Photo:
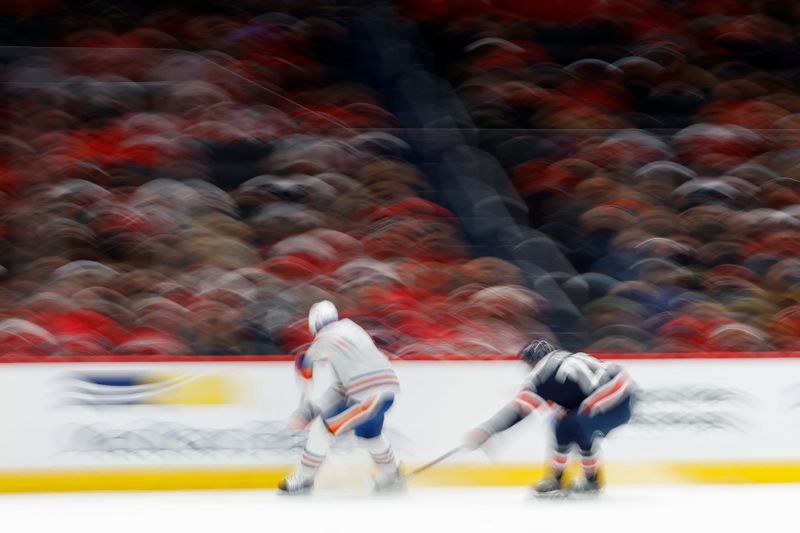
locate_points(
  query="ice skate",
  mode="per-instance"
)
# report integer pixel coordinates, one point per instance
(548, 487)
(295, 484)
(393, 481)
(584, 487)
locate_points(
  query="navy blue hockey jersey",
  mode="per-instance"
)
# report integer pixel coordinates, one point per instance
(574, 381)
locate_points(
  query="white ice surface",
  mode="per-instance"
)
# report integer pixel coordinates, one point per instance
(640, 509)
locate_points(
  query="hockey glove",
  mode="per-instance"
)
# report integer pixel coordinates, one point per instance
(304, 367)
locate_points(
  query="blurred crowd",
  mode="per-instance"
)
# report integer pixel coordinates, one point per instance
(199, 198)
(657, 144)
(189, 183)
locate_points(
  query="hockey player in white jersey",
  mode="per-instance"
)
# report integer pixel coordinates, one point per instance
(590, 398)
(364, 390)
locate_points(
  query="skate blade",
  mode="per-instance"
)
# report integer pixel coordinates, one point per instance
(391, 489)
(550, 495)
(587, 495)
(293, 493)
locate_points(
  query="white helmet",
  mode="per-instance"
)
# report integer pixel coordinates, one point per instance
(320, 315)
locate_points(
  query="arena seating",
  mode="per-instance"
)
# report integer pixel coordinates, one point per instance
(656, 144)
(192, 186)
(177, 182)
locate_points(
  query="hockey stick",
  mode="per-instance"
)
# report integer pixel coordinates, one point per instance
(435, 462)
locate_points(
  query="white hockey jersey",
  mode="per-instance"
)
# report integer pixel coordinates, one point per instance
(361, 369)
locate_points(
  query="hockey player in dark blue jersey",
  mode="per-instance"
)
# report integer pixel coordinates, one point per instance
(591, 398)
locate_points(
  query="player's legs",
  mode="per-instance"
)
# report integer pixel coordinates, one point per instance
(317, 445)
(590, 429)
(365, 417)
(565, 433)
(320, 439)
(370, 436)
(316, 449)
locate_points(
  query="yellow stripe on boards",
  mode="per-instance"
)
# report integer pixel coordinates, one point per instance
(139, 479)
(447, 475)
(697, 472)
(619, 473)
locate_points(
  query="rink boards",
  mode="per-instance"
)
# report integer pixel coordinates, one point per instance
(127, 424)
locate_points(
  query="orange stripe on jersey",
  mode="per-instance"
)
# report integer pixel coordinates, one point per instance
(533, 400)
(352, 415)
(522, 407)
(615, 386)
(386, 379)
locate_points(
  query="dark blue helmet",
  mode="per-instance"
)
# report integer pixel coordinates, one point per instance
(536, 351)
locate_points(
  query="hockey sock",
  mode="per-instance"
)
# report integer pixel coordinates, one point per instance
(589, 460)
(558, 461)
(317, 445)
(381, 451)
